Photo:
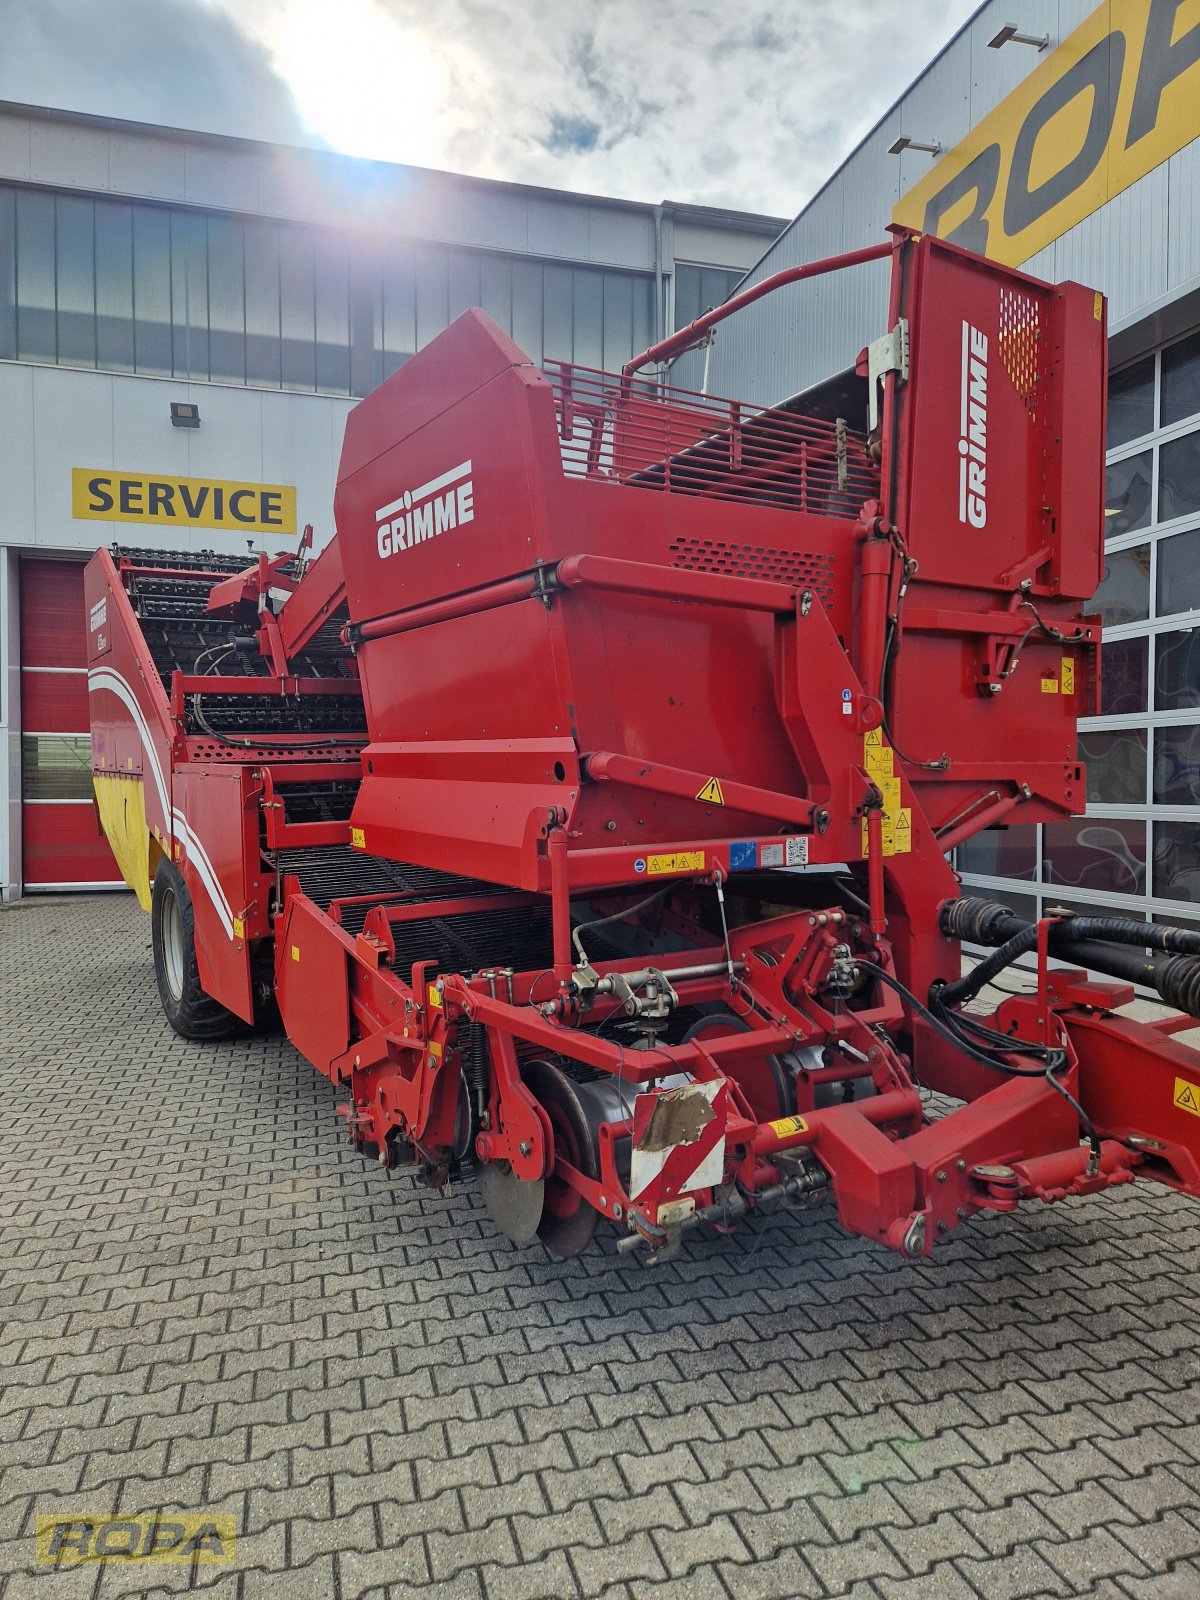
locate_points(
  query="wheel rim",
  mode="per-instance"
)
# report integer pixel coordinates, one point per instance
(568, 1221)
(172, 943)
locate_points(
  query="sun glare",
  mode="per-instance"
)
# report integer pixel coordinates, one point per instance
(361, 81)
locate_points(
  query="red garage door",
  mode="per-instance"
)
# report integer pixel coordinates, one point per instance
(62, 846)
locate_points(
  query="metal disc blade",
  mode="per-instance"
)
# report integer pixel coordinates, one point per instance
(513, 1205)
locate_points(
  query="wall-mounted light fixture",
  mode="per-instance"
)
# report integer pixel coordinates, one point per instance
(1010, 35)
(905, 143)
(184, 414)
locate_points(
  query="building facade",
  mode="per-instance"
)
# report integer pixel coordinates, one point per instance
(1072, 150)
(185, 322)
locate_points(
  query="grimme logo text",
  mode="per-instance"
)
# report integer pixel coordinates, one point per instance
(420, 514)
(972, 428)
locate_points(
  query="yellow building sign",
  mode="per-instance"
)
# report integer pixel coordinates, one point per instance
(102, 496)
(1116, 98)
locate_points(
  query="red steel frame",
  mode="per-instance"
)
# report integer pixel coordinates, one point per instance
(556, 677)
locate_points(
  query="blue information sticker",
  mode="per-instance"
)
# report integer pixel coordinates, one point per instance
(743, 855)
(640, 864)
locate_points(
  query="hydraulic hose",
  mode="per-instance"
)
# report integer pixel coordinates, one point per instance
(1114, 945)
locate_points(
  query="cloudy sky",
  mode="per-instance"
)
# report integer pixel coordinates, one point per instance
(744, 103)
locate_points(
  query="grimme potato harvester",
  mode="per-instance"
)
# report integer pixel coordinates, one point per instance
(585, 806)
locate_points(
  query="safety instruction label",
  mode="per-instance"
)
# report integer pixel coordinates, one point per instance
(787, 1125)
(1187, 1096)
(1068, 675)
(1049, 685)
(711, 794)
(358, 839)
(677, 861)
(897, 819)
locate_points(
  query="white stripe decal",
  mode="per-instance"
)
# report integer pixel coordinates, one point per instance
(434, 484)
(106, 678)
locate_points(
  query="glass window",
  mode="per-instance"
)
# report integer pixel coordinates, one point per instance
(399, 312)
(1124, 677)
(1094, 853)
(37, 337)
(1177, 766)
(152, 290)
(331, 264)
(1176, 861)
(1179, 573)
(8, 275)
(114, 286)
(264, 349)
(1179, 477)
(1124, 592)
(1116, 766)
(75, 261)
(1181, 380)
(226, 300)
(366, 318)
(189, 295)
(1000, 853)
(1127, 497)
(618, 320)
(1177, 671)
(1131, 403)
(297, 309)
(462, 285)
(56, 766)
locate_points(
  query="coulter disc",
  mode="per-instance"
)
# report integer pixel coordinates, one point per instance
(568, 1221)
(514, 1205)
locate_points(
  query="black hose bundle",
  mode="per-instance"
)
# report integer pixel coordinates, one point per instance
(1117, 946)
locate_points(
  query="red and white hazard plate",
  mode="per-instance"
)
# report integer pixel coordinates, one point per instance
(678, 1142)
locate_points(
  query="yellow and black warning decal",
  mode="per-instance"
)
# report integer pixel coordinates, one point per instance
(785, 1126)
(1187, 1096)
(879, 763)
(712, 794)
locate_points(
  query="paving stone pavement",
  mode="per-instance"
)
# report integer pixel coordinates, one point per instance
(208, 1302)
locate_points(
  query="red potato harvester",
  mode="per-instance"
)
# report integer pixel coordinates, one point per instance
(585, 805)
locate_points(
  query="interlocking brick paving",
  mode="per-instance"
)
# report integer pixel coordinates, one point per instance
(208, 1301)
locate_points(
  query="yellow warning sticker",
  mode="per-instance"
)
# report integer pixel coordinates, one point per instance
(1049, 685)
(239, 928)
(679, 861)
(435, 997)
(903, 831)
(1187, 1096)
(358, 838)
(787, 1125)
(877, 756)
(711, 793)
(872, 739)
(1068, 675)
(295, 952)
(1098, 305)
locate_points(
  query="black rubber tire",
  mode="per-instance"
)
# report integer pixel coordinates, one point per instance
(192, 1013)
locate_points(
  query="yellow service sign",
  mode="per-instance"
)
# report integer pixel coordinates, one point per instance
(1117, 97)
(98, 495)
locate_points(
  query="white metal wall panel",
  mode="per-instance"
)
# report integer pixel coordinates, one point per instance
(146, 169)
(1183, 216)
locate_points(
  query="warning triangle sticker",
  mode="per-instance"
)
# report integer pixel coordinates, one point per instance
(711, 793)
(1187, 1096)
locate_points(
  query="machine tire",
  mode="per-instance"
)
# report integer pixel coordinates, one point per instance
(568, 1221)
(192, 1012)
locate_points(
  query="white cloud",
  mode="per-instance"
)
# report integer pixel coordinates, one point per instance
(749, 105)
